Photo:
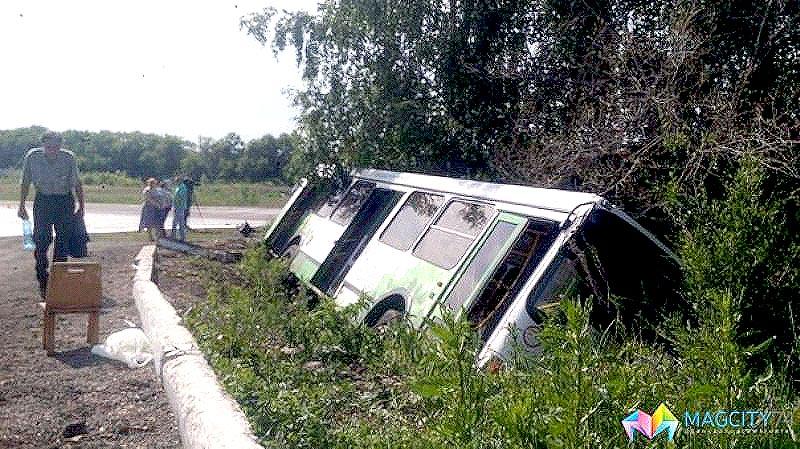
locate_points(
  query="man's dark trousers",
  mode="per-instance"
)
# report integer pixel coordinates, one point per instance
(50, 211)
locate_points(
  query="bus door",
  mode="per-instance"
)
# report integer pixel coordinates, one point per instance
(498, 267)
(355, 237)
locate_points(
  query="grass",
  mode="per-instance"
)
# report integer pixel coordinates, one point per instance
(196, 236)
(311, 377)
(126, 190)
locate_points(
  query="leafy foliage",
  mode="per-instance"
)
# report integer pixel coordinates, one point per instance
(405, 85)
(742, 258)
(618, 97)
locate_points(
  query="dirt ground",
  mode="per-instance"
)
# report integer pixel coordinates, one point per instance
(75, 399)
(182, 278)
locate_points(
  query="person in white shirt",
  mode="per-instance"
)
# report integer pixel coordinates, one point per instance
(53, 171)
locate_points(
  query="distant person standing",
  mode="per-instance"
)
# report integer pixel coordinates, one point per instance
(54, 173)
(164, 198)
(189, 199)
(180, 203)
(150, 209)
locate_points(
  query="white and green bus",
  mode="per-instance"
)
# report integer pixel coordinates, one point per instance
(498, 253)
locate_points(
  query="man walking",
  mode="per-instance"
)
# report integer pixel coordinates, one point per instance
(54, 173)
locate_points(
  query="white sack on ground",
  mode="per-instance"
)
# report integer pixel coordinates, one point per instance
(128, 345)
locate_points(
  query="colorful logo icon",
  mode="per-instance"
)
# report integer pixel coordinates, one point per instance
(650, 426)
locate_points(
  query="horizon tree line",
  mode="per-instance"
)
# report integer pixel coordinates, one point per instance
(143, 155)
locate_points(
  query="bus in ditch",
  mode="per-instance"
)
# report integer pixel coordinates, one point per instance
(500, 255)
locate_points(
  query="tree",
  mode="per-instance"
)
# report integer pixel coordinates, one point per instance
(411, 85)
(145, 155)
(612, 96)
(265, 158)
(221, 157)
(15, 143)
(192, 165)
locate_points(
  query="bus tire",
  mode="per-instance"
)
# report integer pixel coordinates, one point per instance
(289, 253)
(389, 317)
(387, 311)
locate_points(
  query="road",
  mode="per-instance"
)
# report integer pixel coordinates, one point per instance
(108, 218)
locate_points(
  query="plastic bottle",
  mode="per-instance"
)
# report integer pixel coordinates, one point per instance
(27, 236)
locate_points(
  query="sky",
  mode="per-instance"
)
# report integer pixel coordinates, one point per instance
(176, 67)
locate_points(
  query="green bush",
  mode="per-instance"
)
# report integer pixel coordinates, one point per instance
(306, 378)
(742, 260)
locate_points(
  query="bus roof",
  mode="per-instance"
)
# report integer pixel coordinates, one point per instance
(551, 199)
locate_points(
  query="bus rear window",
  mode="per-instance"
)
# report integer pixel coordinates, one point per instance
(411, 220)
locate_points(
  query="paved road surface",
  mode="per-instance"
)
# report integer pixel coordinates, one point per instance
(107, 218)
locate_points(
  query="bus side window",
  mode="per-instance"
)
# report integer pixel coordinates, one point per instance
(448, 239)
(411, 219)
(517, 265)
(479, 264)
(329, 203)
(352, 202)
